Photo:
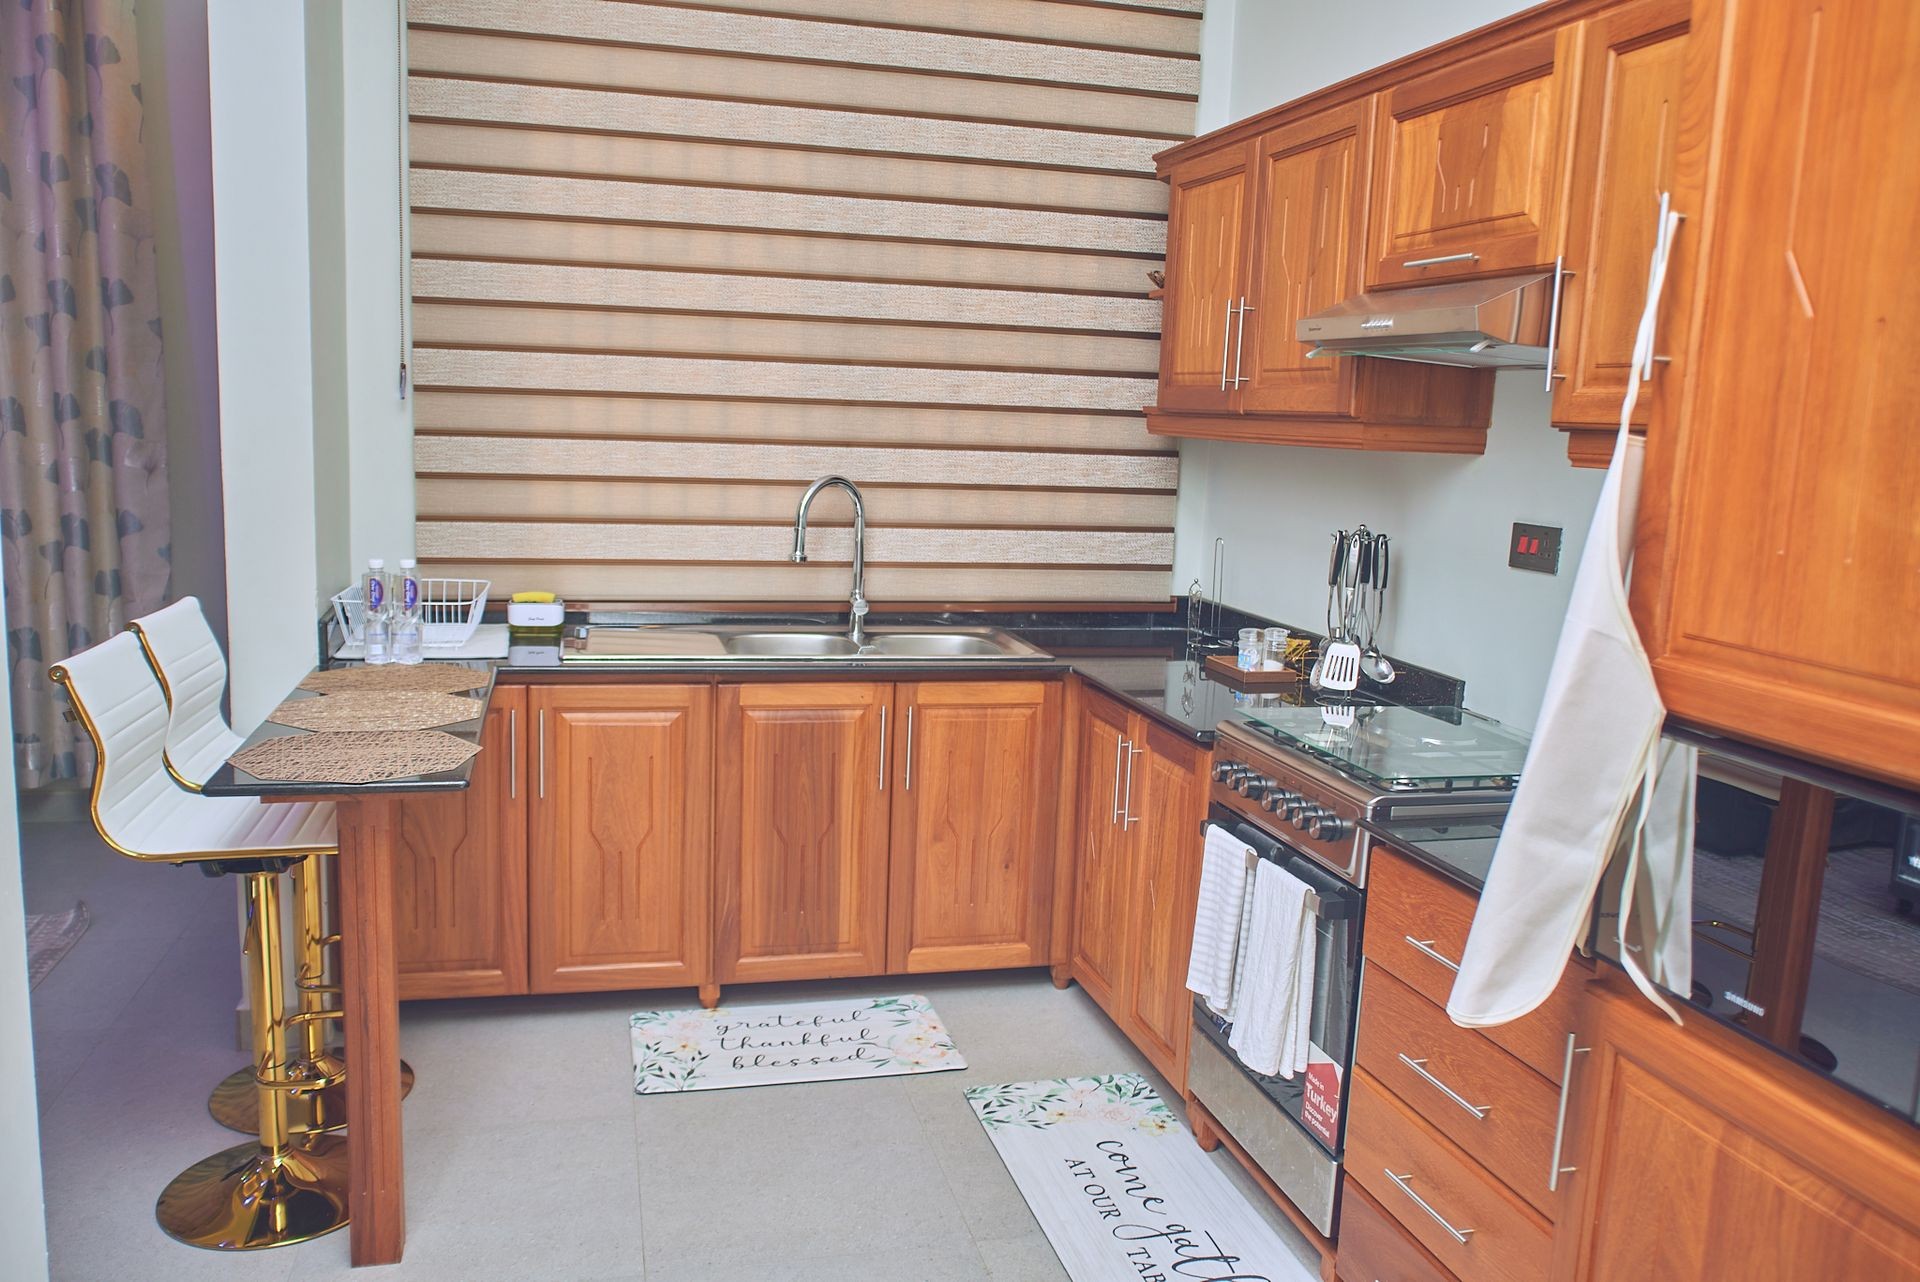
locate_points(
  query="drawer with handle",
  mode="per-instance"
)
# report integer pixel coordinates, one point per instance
(1417, 923)
(1471, 1222)
(1374, 1248)
(1483, 1099)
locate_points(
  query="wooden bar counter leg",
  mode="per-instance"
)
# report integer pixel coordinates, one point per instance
(376, 1193)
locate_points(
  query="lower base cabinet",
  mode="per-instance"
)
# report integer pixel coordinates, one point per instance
(622, 815)
(1141, 796)
(460, 872)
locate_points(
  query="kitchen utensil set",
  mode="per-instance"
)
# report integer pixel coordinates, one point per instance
(1357, 575)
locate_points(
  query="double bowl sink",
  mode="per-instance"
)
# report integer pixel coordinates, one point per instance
(706, 644)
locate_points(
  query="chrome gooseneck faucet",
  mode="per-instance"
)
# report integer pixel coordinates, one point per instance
(858, 601)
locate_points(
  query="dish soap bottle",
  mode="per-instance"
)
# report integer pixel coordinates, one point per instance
(406, 630)
(376, 627)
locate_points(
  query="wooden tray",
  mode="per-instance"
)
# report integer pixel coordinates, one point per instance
(1222, 668)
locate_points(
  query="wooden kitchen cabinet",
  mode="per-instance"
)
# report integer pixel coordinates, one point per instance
(1209, 211)
(1142, 795)
(1633, 74)
(1469, 165)
(460, 871)
(1777, 567)
(622, 805)
(1700, 1155)
(971, 863)
(801, 830)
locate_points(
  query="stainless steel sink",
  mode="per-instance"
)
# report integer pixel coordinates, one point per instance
(791, 645)
(735, 643)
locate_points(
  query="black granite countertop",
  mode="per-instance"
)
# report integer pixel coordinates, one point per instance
(1460, 850)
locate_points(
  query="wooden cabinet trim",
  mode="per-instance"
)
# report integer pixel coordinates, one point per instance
(1339, 433)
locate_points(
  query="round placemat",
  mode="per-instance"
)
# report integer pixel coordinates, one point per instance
(353, 756)
(376, 710)
(427, 678)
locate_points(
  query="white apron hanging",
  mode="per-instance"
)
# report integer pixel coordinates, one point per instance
(1598, 778)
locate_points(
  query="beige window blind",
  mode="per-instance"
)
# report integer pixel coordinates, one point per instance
(671, 262)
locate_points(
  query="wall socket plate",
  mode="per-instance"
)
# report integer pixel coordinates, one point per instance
(1534, 547)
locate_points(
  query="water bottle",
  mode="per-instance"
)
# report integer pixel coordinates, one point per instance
(376, 627)
(407, 625)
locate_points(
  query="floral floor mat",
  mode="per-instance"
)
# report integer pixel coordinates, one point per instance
(1121, 1189)
(712, 1050)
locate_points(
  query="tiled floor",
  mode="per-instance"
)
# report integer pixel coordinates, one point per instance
(529, 1158)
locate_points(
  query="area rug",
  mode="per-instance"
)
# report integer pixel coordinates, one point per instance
(50, 936)
(1121, 1189)
(713, 1050)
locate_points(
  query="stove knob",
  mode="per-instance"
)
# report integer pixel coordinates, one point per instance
(1223, 769)
(1277, 798)
(1301, 816)
(1249, 785)
(1328, 826)
(1296, 806)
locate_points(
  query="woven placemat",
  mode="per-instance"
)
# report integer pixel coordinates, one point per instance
(376, 710)
(426, 678)
(353, 756)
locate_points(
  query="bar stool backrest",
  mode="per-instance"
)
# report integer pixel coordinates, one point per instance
(193, 676)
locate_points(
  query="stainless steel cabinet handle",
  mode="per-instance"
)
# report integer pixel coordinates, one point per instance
(1240, 341)
(1119, 751)
(1444, 258)
(1555, 1171)
(1560, 273)
(543, 753)
(1479, 1111)
(881, 772)
(1426, 946)
(909, 749)
(1129, 819)
(1404, 1184)
(1653, 326)
(1226, 340)
(513, 752)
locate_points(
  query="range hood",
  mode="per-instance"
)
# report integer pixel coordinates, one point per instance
(1500, 323)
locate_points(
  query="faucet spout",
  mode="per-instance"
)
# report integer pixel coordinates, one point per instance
(857, 602)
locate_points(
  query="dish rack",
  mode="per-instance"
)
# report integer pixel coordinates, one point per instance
(450, 611)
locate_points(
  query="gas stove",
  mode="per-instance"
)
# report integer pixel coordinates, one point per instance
(1324, 770)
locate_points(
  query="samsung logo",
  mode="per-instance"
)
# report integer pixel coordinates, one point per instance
(1377, 322)
(1745, 1005)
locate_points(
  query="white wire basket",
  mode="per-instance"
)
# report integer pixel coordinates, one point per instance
(450, 611)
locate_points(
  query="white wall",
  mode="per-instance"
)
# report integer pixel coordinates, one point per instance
(257, 86)
(23, 1224)
(1455, 605)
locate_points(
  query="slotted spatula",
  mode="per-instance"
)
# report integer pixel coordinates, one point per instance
(1340, 662)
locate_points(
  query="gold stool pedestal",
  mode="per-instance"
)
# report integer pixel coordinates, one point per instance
(235, 1102)
(246, 1198)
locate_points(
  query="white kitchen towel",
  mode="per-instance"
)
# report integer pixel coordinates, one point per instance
(1276, 980)
(1226, 866)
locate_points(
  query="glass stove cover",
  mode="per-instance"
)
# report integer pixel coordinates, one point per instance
(1398, 748)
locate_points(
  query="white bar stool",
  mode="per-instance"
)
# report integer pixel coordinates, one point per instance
(288, 1186)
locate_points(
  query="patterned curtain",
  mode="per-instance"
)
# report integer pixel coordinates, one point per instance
(83, 465)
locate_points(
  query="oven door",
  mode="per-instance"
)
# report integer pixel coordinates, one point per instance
(1292, 1127)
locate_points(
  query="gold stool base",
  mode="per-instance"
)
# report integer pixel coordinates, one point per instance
(235, 1102)
(242, 1199)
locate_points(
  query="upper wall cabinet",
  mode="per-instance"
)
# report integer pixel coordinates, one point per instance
(1469, 170)
(1777, 572)
(1262, 232)
(1632, 73)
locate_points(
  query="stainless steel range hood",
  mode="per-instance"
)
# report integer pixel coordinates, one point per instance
(1500, 323)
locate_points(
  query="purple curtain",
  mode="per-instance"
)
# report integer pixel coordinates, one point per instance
(83, 464)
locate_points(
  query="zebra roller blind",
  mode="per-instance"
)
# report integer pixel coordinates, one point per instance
(671, 262)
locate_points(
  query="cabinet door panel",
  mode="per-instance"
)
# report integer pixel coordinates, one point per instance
(973, 824)
(801, 831)
(460, 872)
(1102, 897)
(622, 813)
(1168, 801)
(1780, 507)
(1208, 215)
(1624, 157)
(1308, 233)
(1469, 161)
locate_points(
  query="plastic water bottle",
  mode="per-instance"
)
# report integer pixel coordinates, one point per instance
(376, 626)
(407, 626)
